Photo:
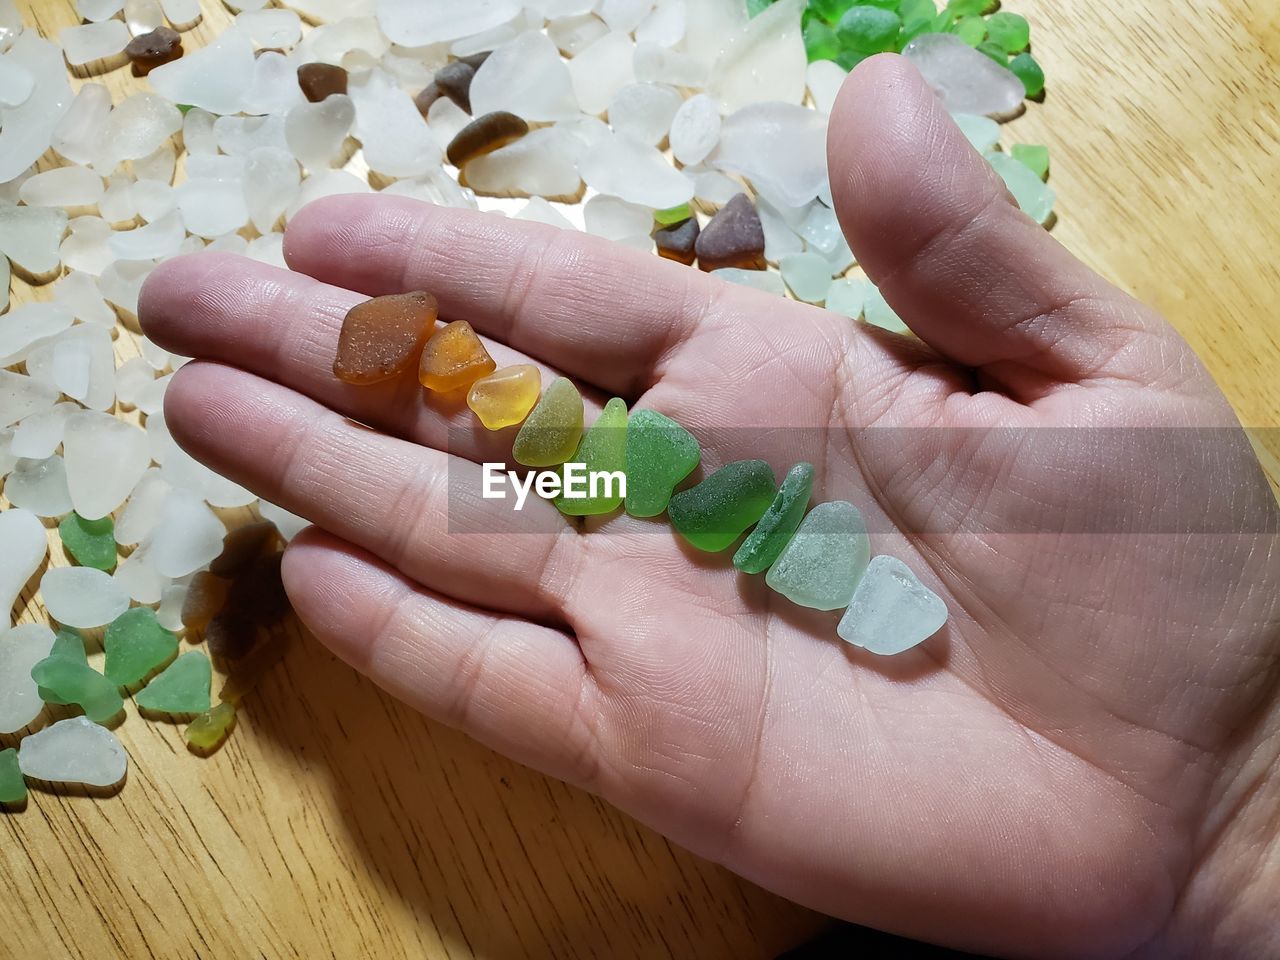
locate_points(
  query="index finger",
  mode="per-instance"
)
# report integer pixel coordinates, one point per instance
(601, 312)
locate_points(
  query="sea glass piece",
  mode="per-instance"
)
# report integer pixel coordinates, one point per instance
(695, 129)
(713, 514)
(25, 547)
(505, 397)
(678, 242)
(90, 543)
(847, 297)
(778, 525)
(1033, 195)
(619, 165)
(136, 645)
(1009, 31)
(822, 564)
(209, 729)
(541, 164)
(205, 597)
(183, 688)
(602, 450)
(74, 751)
(424, 99)
(891, 610)
(965, 80)
(660, 453)
(319, 81)
(21, 648)
(807, 275)
(779, 147)
(150, 50)
(454, 358)
(1026, 69)
(105, 458)
(69, 645)
(766, 60)
(13, 788)
(71, 681)
(982, 132)
(383, 337)
(485, 135)
(454, 81)
(877, 312)
(1034, 157)
(734, 238)
(527, 77)
(551, 433)
(866, 30)
(82, 597)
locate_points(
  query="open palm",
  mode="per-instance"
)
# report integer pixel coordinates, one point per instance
(1046, 776)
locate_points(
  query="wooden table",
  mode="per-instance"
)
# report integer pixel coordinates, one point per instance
(337, 822)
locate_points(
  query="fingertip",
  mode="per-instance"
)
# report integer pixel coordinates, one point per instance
(169, 291)
(334, 587)
(193, 398)
(320, 239)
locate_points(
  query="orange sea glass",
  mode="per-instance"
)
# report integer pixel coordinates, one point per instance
(454, 358)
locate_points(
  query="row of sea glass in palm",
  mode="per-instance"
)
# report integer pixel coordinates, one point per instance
(819, 558)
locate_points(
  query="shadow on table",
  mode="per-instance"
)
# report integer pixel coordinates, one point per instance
(492, 858)
(846, 941)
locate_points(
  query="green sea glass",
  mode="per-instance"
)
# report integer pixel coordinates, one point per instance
(830, 10)
(972, 30)
(820, 41)
(712, 515)
(136, 645)
(70, 645)
(13, 788)
(90, 543)
(603, 450)
(1034, 197)
(72, 681)
(660, 453)
(1010, 31)
(869, 30)
(822, 564)
(673, 215)
(1026, 69)
(183, 688)
(779, 523)
(550, 434)
(210, 728)
(1034, 157)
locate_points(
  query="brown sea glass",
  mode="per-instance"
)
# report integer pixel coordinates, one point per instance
(320, 80)
(734, 237)
(205, 597)
(150, 50)
(678, 241)
(381, 338)
(484, 135)
(426, 97)
(454, 358)
(454, 81)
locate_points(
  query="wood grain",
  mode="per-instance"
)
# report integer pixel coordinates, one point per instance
(336, 822)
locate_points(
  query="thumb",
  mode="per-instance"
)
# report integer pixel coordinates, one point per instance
(937, 231)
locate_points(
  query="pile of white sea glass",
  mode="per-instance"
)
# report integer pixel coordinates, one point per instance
(636, 106)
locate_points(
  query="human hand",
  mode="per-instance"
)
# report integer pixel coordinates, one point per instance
(1075, 766)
